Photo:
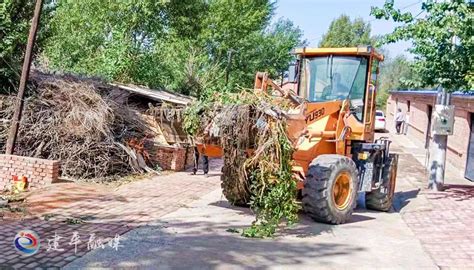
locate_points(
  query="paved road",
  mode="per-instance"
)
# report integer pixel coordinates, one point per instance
(428, 230)
(196, 237)
(181, 221)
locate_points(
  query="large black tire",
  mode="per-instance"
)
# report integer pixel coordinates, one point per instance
(235, 194)
(381, 199)
(319, 198)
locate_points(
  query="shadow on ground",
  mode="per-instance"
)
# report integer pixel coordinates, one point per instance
(403, 198)
(458, 192)
(185, 246)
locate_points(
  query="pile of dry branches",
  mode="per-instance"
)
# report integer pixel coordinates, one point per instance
(76, 122)
(252, 131)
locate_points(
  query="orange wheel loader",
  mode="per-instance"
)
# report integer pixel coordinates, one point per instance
(332, 127)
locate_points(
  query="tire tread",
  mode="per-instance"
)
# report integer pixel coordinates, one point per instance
(316, 191)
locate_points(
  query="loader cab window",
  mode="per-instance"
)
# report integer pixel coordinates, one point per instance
(329, 78)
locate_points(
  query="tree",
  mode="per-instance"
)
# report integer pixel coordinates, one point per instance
(396, 74)
(279, 39)
(105, 38)
(234, 35)
(15, 17)
(444, 48)
(437, 60)
(346, 33)
(183, 45)
(265, 50)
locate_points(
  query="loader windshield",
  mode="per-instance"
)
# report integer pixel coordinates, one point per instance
(332, 77)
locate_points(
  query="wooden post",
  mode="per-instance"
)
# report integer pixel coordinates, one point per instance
(23, 80)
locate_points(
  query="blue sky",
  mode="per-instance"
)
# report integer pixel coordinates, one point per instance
(314, 17)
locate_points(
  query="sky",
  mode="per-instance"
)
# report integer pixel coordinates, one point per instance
(315, 16)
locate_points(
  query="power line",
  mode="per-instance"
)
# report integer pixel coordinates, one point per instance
(404, 8)
(410, 5)
(418, 14)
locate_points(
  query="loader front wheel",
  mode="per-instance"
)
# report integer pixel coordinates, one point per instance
(330, 189)
(381, 198)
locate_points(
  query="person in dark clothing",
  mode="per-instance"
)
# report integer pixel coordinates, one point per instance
(205, 159)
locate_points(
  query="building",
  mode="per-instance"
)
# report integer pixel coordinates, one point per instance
(418, 105)
(162, 111)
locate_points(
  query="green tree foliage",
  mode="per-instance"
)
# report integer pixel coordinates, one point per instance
(437, 60)
(107, 38)
(15, 17)
(346, 33)
(396, 74)
(182, 45)
(280, 37)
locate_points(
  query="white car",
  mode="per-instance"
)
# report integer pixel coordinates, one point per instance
(380, 123)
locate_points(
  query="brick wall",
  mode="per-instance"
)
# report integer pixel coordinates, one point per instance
(169, 158)
(419, 103)
(40, 172)
(418, 114)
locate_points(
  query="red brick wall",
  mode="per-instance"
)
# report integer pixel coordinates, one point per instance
(457, 143)
(40, 172)
(170, 158)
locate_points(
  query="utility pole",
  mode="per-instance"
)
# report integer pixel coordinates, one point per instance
(15, 122)
(438, 147)
(445, 123)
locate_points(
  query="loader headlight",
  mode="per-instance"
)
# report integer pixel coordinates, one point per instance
(363, 156)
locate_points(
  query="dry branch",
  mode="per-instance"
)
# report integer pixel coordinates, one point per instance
(76, 122)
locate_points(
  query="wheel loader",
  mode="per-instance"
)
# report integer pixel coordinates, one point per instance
(332, 126)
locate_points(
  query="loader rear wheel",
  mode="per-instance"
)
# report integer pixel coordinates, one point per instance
(237, 194)
(381, 199)
(330, 189)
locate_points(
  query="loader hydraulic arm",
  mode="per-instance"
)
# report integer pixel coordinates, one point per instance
(262, 82)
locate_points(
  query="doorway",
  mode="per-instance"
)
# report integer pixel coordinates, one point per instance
(429, 113)
(469, 174)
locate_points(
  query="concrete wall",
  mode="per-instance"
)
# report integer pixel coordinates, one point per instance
(40, 172)
(419, 108)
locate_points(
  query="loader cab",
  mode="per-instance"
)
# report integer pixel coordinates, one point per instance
(337, 74)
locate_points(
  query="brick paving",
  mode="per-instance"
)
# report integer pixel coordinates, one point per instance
(100, 211)
(446, 231)
(46, 230)
(442, 221)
